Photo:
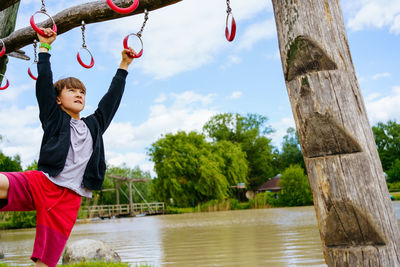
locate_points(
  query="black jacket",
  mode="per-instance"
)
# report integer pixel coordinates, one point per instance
(56, 125)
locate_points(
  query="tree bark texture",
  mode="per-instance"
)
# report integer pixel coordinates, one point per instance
(70, 18)
(8, 17)
(7, 3)
(355, 215)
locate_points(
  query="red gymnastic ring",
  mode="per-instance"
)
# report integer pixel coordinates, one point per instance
(30, 72)
(230, 36)
(81, 62)
(138, 55)
(7, 83)
(3, 50)
(36, 28)
(123, 10)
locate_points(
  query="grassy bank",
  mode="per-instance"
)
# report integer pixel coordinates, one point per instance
(396, 195)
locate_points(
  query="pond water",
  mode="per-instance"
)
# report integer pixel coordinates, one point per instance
(262, 237)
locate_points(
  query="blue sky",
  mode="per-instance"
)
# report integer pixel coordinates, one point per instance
(189, 72)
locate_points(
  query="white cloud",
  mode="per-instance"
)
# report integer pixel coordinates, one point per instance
(374, 14)
(381, 75)
(256, 33)
(13, 92)
(21, 133)
(235, 95)
(232, 59)
(382, 109)
(183, 36)
(280, 128)
(131, 159)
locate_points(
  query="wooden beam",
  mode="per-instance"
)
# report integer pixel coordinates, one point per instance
(121, 178)
(355, 215)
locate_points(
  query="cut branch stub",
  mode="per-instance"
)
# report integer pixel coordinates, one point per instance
(305, 56)
(347, 225)
(325, 137)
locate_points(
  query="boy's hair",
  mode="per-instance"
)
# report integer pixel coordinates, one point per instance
(69, 82)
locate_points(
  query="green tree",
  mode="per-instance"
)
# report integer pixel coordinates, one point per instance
(33, 166)
(394, 172)
(188, 170)
(387, 139)
(296, 190)
(291, 153)
(10, 164)
(234, 165)
(250, 133)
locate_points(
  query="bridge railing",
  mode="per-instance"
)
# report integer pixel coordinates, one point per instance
(125, 209)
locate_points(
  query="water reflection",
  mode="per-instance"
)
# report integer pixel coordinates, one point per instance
(265, 237)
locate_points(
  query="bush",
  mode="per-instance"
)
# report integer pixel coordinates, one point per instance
(264, 200)
(296, 190)
(394, 172)
(393, 187)
(23, 219)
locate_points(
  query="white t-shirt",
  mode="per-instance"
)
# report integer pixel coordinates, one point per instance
(80, 150)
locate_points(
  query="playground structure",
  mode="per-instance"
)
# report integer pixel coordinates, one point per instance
(355, 215)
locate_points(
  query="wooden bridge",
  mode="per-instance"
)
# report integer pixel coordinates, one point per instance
(121, 210)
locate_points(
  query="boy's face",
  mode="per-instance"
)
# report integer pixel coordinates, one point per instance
(72, 101)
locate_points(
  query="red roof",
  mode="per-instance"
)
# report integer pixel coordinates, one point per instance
(270, 185)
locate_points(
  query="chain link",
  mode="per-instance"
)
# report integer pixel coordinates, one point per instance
(146, 17)
(34, 50)
(43, 9)
(228, 4)
(83, 34)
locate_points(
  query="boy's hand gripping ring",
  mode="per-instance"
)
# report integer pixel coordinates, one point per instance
(36, 28)
(230, 36)
(80, 60)
(123, 10)
(7, 83)
(30, 72)
(3, 50)
(138, 55)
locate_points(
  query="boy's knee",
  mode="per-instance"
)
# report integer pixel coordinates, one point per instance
(4, 185)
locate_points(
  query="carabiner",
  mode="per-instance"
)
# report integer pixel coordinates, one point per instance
(80, 60)
(7, 83)
(230, 36)
(138, 55)
(36, 28)
(123, 10)
(3, 50)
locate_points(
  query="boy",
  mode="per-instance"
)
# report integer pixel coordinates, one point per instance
(71, 160)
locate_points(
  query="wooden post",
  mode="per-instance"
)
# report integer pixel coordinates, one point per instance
(8, 18)
(131, 212)
(117, 185)
(355, 215)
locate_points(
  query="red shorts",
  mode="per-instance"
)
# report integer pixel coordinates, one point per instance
(56, 211)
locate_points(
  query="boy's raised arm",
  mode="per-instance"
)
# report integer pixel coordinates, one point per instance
(109, 104)
(45, 92)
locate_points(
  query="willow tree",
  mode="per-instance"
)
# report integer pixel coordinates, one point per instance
(355, 215)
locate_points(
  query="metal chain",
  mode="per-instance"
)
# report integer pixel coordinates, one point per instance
(34, 50)
(43, 9)
(228, 4)
(83, 34)
(146, 17)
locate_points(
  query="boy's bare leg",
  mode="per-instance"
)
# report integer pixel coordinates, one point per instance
(4, 185)
(40, 264)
